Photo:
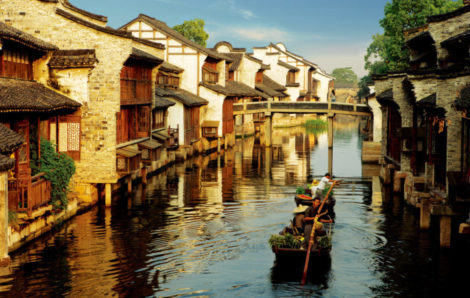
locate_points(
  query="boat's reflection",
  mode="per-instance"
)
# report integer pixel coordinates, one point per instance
(318, 272)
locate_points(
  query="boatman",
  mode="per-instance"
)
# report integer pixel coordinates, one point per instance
(325, 182)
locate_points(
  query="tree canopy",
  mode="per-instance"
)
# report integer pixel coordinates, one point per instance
(387, 52)
(193, 30)
(344, 75)
(363, 85)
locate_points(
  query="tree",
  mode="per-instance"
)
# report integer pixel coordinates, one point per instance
(387, 52)
(344, 75)
(364, 83)
(193, 30)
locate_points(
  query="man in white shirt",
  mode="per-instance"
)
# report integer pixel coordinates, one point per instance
(325, 182)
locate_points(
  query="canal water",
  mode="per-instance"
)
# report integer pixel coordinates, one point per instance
(201, 229)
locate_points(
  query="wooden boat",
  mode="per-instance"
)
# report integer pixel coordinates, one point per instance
(294, 257)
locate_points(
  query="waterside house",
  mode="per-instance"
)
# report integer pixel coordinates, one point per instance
(114, 86)
(425, 124)
(204, 76)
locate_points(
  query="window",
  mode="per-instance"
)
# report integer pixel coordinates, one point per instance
(158, 119)
(136, 84)
(16, 63)
(291, 77)
(167, 80)
(133, 122)
(209, 72)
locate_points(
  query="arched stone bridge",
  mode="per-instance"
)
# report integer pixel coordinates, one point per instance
(306, 107)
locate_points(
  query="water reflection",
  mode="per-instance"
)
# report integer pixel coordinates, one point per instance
(200, 228)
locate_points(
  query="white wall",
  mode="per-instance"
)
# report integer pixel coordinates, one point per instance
(214, 109)
(176, 118)
(377, 112)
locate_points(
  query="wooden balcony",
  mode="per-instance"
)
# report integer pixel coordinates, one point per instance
(173, 140)
(28, 193)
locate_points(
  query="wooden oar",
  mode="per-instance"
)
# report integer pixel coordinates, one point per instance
(312, 235)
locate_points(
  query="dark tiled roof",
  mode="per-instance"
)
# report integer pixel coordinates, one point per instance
(157, 24)
(460, 38)
(420, 39)
(69, 5)
(269, 91)
(233, 88)
(429, 101)
(449, 15)
(181, 95)
(385, 97)
(73, 59)
(15, 35)
(162, 103)
(107, 29)
(6, 163)
(273, 84)
(144, 56)
(287, 65)
(9, 140)
(387, 94)
(29, 96)
(237, 59)
(168, 67)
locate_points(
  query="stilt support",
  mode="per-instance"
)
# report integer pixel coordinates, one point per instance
(330, 143)
(4, 258)
(444, 232)
(107, 195)
(424, 214)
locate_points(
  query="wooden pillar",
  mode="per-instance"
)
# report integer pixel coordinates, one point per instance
(129, 185)
(330, 142)
(4, 258)
(143, 172)
(269, 154)
(107, 195)
(424, 214)
(444, 232)
(218, 145)
(268, 130)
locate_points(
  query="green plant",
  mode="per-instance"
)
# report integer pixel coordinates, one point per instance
(324, 242)
(300, 190)
(12, 216)
(285, 241)
(325, 191)
(59, 169)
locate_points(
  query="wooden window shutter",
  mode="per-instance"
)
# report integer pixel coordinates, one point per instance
(69, 137)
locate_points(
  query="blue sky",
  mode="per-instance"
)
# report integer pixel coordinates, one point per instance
(331, 33)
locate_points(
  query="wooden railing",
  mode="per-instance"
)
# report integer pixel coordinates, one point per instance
(29, 193)
(313, 107)
(173, 137)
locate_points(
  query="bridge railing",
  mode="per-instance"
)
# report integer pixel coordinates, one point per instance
(287, 106)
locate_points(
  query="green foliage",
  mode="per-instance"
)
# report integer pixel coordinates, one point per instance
(285, 241)
(59, 169)
(193, 30)
(325, 191)
(315, 123)
(300, 190)
(363, 86)
(344, 75)
(387, 52)
(12, 216)
(324, 242)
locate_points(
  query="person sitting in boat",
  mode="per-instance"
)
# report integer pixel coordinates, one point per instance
(312, 211)
(298, 221)
(313, 187)
(309, 219)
